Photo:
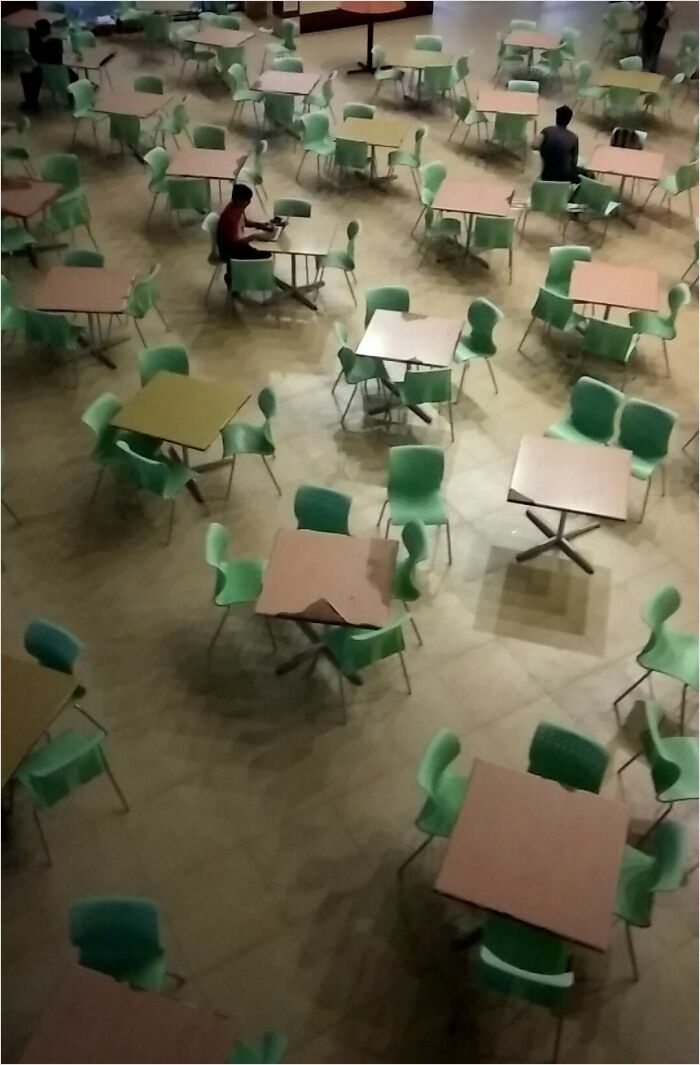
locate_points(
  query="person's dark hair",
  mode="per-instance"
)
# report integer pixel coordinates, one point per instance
(241, 194)
(564, 115)
(42, 27)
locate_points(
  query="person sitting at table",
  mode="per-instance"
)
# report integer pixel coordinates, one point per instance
(558, 147)
(43, 48)
(232, 240)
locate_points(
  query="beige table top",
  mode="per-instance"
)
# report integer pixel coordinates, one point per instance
(398, 336)
(84, 289)
(533, 39)
(328, 578)
(288, 82)
(485, 197)
(32, 697)
(181, 409)
(129, 102)
(536, 851)
(26, 19)
(219, 165)
(217, 37)
(22, 197)
(579, 478)
(89, 58)
(96, 1019)
(301, 237)
(505, 102)
(627, 162)
(417, 58)
(378, 131)
(641, 80)
(633, 288)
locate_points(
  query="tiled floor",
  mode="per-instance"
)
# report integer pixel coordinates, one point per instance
(269, 832)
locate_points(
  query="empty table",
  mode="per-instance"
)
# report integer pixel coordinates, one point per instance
(641, 80)
(22, 197)
(532, 40)
(96, 1019)
(26, 19)
(300, 240)
(627, 163)
(588, 479)
(505, 102)
(287, 82)
(418, 59)
(32, 698)
(90, 60)
(536, 851)
(633, 288)
(87, 290)
(377, 132)
(215, 37)
(211, 163)
(489, 198)
(130, 102)
(369, 11)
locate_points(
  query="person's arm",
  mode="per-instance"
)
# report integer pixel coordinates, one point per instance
(574, 153)
(538, 141)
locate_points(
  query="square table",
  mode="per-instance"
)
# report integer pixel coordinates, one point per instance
(481, 197)
(94, 1018)
(534, 850)
(130, 102)
(505, 102)
(378, 132)
(418, 59)
(216, 37)
(416, 339)
(32, 698)
(632, 288)
(588, 479)
(87, 290)
(288, 82)
(641, 80)
(302, 239)
(627, 163)
(183, 410)
(90, 60)
(211, 163)
(533, 40)
(26, 19)
(22, 197)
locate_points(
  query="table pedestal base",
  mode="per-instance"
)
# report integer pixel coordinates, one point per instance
(558, 540)
(316, 648)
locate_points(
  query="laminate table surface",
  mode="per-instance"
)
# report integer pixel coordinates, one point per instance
(577, 478)
(464, 196)
(627, 163)
(399, 336)
(22, 197)
(218, 165)
(417, 58)
(130, 102)
(505, 102)
(641, 80)
(633, 288)
(32, 697)
(288, 82)
(84, 290)
(378, 132)
(218, 37)
(533, 39)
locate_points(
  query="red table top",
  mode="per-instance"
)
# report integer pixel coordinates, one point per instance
(372, 7)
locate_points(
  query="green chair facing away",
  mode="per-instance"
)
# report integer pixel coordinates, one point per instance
(322, 509)
(439, 232)
(98, 418)
(511, 132)
(584, 90)
(427, 42)
(609, 341)
(622, 105)
(171, 358)
(210, 226)
(595, 200)
(241, 438)
(19, 152)
(241, 92)
(570, 758)
(279, 113)
(518, 85)
(673, 764)
(460, 73)
(383, 74)
(188, 194)
(342, 259)
(355, 370)
(162, 476)
(252, 171)
(658, 867)
(550, 198)
(550, 64)
(188, 52)
(386, 298)
(12, 315)
(528, 963)
(444, 789)
(148, 83)
(353, 650)
(413, 490)
(285, 44)
(671, 653)
(58, 767)
(15, 240)
(51, 330)
(67, 214)
(315, 138)
(225, 58)
(267, 1051)
(62, 169)
(561, 264)
(119, 935)
(156, 29)
(157, 160)
(83, 93)
(321, 98)
(126, 131)
(55, 81)
(662, 326)
(630, 62)
(404, 586)
(237, 580)
(593, 409)
(289, 207)
(173, 123)
(209, 136)
(645, 430)
(553, 310)
(292, 64)
(143, 297)
(469, 117)
(85, 257)
(683, 180)
(251, 278)
(432, 176)
(412, 160)
(427, 386)
(351, 157)
(489, 234)
(355, 110)
(483, 317)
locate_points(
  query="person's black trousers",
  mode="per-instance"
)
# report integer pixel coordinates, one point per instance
(652, 41)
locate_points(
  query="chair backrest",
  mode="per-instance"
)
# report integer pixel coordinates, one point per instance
(461, 67)
(354, 110)
(253, 167)
(441, 751)
(483, 317)
(645, 428)
(267, 403)
(208, 136)
(249, 275)
(227, 22)
(54, 77)
(350, 154)
(279, 109)
(210, 225)
(148, 83)
(510, 129)
(157, 160)
(523, 24)
(427, 386)
(594, 407)
(551, 197)
(432, 175)
(83, 95)
(144, 293)
(621, 100)
(427, 42)
(267, 1051)
(47, 328)
(415, 469)
(678, 296)
(687, 176)
(416, 544)
(156, 28)
(314, 128)
(68, 211)
(518, 85)
(125, 129)
(664, 769)
(322, 509)
(608, 340)
(80, 39)
(114, 933)
(170, 357)
(353, 230)
(561, 263)
(438, 79)
(524, 961)
(292, 208)
(582, 74)
(215, 549)
(378, 58)
(630, 62)
(62, 169)
(51, 645)
(293, 64)
(286, 33)
(493, 232)
(83, 257)
(572, 759)
(151, 474)
(386, 298)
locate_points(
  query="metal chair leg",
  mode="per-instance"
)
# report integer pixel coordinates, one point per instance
(180, 981)
(271, 634)
(633, 956)
(557, 1036)
(274, 479)
(449, 543)
(347, 408)
(42, 837)
(655, 823)
(683, 701)
(230, 476)
(415, 627)
(337, 382)
(217, 633)
(138, 330)
(629, 762)
(116, 787)
(381, 512)
(160, 315)
(493, 376)
(11, 512)
(646, 500)
(524, 336)
(414, 854)
(405, 673)
(626, 692)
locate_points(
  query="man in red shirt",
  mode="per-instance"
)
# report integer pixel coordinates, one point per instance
(231, 238)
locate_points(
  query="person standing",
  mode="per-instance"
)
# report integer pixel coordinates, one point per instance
(655, 19)
(43, 48)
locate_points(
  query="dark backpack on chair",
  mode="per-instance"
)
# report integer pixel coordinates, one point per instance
(625, 138)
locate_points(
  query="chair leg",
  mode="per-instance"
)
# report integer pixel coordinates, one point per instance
(381, 512)
(683, 702)
(42, 837)
(303, 157)
(337, 382)
(211, 283)
(414, 854)
(179, 980)
(160, 315)
(271, 634)
(274, 479)
(626, 692)
(493, 376)
(10, 511)
(633, 956)
(349, 284)
(138, 330)
(452, 424)
(557, 1035)
(405, 673)
(417, 221)
(415, 627)
(629, 762)
(449, 543)
(347, 408)
(524, 336)
(219, 627)
(115, 785)
(230, 476)
(646, 500)
(654, 824)
(668, 365)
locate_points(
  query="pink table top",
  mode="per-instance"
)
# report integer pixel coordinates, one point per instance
(219, 37)
(533, 39)
(22, 197)
(372, 7)
(288, 82)
(485, 197)
(84, 290)
(26, 19)
(219, 165)
(504, 102)
(130, 102)
(398, 336)
(627, 162)
(633, 288)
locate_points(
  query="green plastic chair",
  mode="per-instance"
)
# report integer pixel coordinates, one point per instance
(570, 758)
(99, 417)
(55, 81)
(16, 240)
(241, 93)
(253, 278)
(510, 131)
(353, 650)
(683, 180)
(561, 264)
(58, 767)
(386, 298)
(279, 113)
(432, 176)
(315, 138)
(427, 42)
(622, 105)
(521, 961)
(173, 123)
(355, 110)
(83, 94)
(658, 867)
(85, 257)
(14, 41)
(494, 233)
(208, 136)
(672, 760)
(293, 64)
(630, 62)
(210, 226)
(672, 653)
(436, 81)
(225, 58)
(444, 789)
(322, 509)
(53, 646)
(188, 194)
(645, 430)
(119, 936)
(438, 232)
(584, 90)
(241, 438)
(19, 152)
(126, 131)
(355, 370)
(12, 315)
(595, 200)
(189, 52)
(162, 476)
(148, 83)
(405, 587)
(694, 263)
(342, 259)
(267, 1051)
(666, 97)
(469, 117)
(156, 29)
(483, 317)
(592, 413)
(412, 160)
(550, 198)
(171, 358)
(509, 55)
(157, 160)
(350, 156)
(518, 85)
(81, 39)
(662, 326)
(413, 490)
(62, 169)
(285, 44)
(237, 580)
(51, 330)
(427, 386)
(227, 22)
(522, 24)
(459, 75)
(383, 74)
(252, 172)
(143, 296)
(569, 38)
(610, 341)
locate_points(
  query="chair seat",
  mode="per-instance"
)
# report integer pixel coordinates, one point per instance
(78, 754)
(148, 975)
(445, 229)
(338, 259)
(683, 750)
(429, 509)
(438, 818)
(634, 900)
(240, 438)
(242, 95)
(243, 581)
(678, 658)
(669, 184)
(641, 468)
(399, 158)
(390, 74)
(203, 55)
(474, 118)
(322, 147)
(463, 353)
(565, 430)
(652, 324)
